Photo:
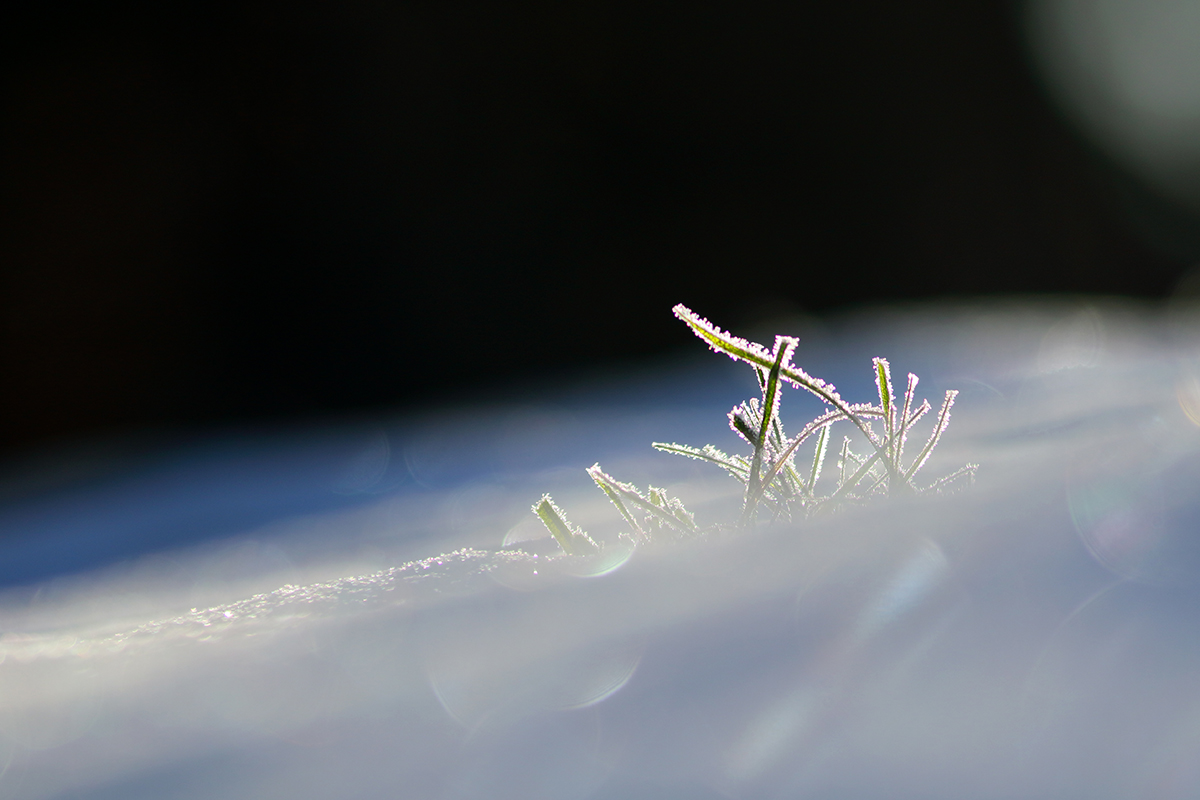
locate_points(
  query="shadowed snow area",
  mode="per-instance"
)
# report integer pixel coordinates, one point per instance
(1036, 635)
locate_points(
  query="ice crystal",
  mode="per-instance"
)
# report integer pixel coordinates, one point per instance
(410, 584)
(769, 474)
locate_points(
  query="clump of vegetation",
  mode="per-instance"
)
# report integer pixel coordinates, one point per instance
(776, 488)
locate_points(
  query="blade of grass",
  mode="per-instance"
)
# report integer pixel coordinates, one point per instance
(770, 476)
(967, 469)
(846, 486)
(902, 434)
(629, 494)
(741, 422)
(887, 400)
(573, 541)
(770, 407)
(615, 499)
(707, 453)
(818, 459)
(843, 460)
(943, 420)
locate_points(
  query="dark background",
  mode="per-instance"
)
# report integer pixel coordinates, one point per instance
(214, 213)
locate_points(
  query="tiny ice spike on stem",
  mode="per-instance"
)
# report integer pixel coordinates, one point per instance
(773, 482)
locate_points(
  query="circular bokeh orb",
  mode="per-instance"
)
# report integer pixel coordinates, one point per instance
(1128, 75)
(1138, 514)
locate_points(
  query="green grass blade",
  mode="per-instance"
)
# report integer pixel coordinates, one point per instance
(615, 499)
(887, 400)
(902, 434)
(778, 439)
(859, 474)
(657, 496)
(843, 460)
(967, 470)
(733, 346)
(707, 453)
(743, 420)
(631, 495)
(818, 459)
(913, 419)
(573, 541)
(770, 407)
(790, 478)
(938, 429)
(774, 469)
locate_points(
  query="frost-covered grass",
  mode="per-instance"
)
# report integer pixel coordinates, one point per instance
(772, 479)
(1034, 637)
